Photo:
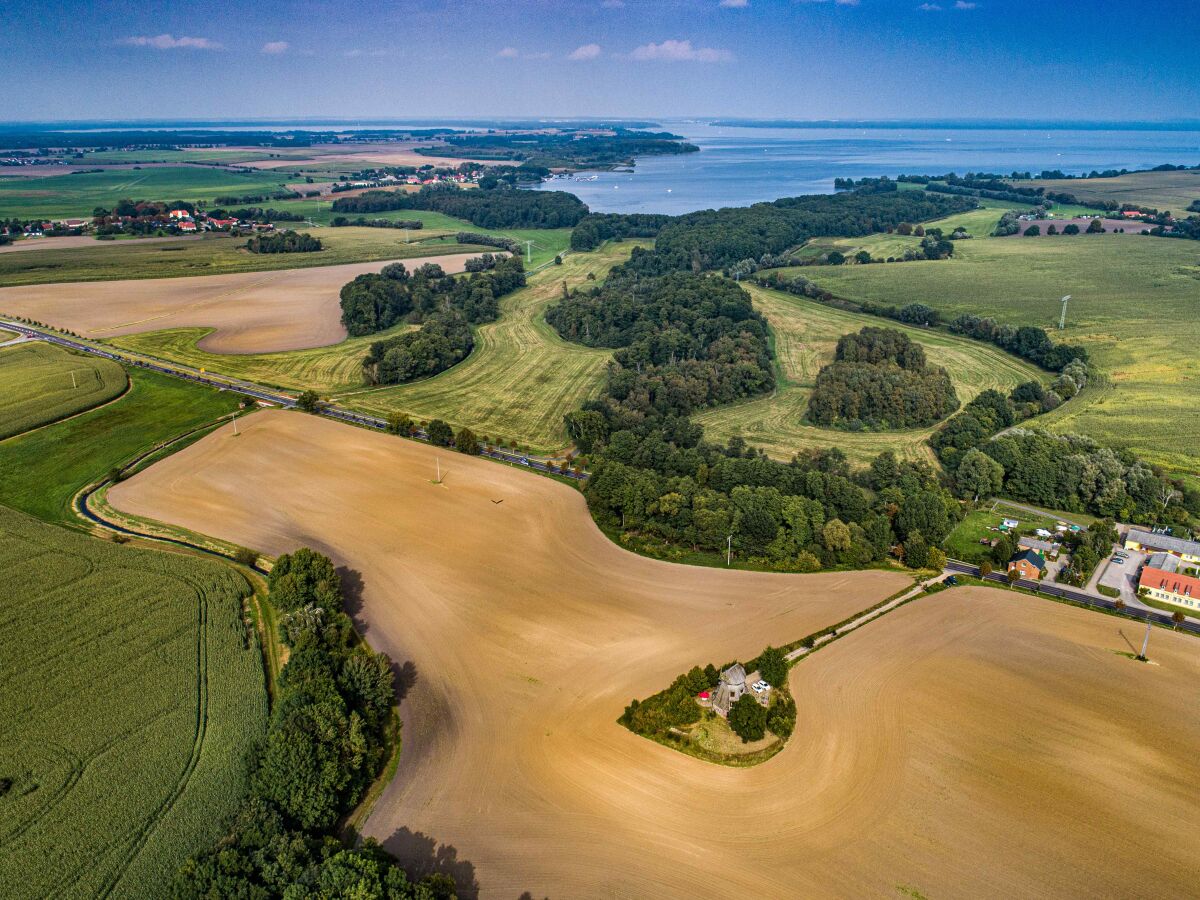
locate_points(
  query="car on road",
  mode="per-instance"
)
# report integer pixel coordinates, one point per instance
(1119, 560)
(951, 581)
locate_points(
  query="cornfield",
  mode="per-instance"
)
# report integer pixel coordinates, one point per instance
(129, 692)
(41, 383)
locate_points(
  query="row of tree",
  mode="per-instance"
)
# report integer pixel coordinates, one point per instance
(327, 738)
(596, 228)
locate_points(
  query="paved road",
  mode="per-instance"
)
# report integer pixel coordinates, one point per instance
(257, 391)
(1075, 595)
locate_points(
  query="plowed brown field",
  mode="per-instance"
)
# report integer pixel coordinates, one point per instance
(973, 743)
(253, 312)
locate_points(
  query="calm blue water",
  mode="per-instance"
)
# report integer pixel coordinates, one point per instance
(739, 166)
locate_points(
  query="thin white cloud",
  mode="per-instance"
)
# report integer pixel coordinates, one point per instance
(275, 47)
(679, 51)
(734, 4)
(835, 2)
(963, 4)
(170, 42)
(584, 53)
(929, 7)
(358, 51)
(509, 53)
(612, 4)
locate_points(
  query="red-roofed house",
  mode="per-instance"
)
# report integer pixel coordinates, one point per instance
(1170, 587)
(187, 226)
(1131, 214)
(180, 214)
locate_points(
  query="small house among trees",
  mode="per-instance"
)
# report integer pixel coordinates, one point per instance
(731, 687)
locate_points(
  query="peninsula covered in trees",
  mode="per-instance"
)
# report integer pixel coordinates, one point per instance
(568, 148)
(880, 379)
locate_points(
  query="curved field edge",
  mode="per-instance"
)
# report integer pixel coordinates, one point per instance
(41, 384)
(805, 334)
(521, 378)
(164, 703)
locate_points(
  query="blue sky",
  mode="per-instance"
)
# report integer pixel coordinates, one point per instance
(1073, 59)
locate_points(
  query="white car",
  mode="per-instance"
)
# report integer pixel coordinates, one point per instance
(759, 686)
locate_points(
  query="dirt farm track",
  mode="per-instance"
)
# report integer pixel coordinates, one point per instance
(253, 312)
(974, 743)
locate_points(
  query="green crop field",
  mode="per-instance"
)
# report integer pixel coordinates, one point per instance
(41, 471)
(75, 196)
(978, 223)
(41, 383)
(323, 369)
(1134, 305)
(1159, 190)
(522, 377)
(805, 334)
(217, 254)
(133, 690)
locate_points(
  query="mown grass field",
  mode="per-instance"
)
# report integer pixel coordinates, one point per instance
(41, 383)
(978, 223)
(75, 196)
(1135, 305)
(1160, 190)
(323, 369)
(522, 377)
(133, 689)
(217, 254)
(41, 471)
(805, 334)
(963, 542)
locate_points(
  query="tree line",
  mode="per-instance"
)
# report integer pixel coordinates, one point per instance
(596, 228)
(364, 222)
(327, 739)
(501, 207)
(880, 379)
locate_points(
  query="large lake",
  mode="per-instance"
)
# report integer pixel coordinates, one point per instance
(739, 166)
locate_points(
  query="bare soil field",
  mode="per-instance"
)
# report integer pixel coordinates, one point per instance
(253, 312)
(1129, 226)
(383, 154)
(972, 743)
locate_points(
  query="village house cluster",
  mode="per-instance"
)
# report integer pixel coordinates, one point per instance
(1172, 570)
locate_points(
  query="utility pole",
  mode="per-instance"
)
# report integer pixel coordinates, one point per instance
(528, 252)
(439, 469)
(73, 384)
(1062, 320)
(1145, 642)
(728, 550)
(235, 431)
(406, 235)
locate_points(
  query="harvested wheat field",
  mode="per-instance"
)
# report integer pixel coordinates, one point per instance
(84, 240)
(252, 312)
(972, 743)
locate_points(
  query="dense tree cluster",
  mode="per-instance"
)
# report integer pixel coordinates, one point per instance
(596, 228)
(501, 207)
(444, 339)
(1026, 341)
(716, 239)
(256, 214)
(489, 240)
(375, 301)
(880, 379)
(685, 342)
(283, 242)
(326, 740)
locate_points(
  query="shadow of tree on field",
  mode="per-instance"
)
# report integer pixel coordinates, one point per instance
(421, 855)
(352, 595)
(404, 676)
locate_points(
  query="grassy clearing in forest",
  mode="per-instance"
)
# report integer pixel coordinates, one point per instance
(138, 690)
(1135, 303)
(41, 383)
(1159, 190)
(805, 334)
(522, 378)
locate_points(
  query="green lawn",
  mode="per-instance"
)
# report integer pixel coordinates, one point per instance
(75, 196)
(41, 471)
(218, 254)
(133, 691)
(1135, 303)
(963, 542)
(806, 334)
(41, 383)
